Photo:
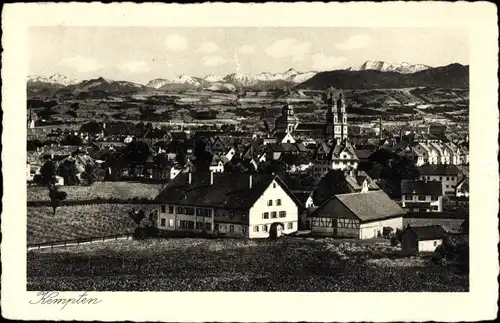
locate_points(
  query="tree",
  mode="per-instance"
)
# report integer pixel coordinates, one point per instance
(67, 170)
(331, 184)
(56, 197)
(48, 173)
(89, 175)
(137, 216)
(92, 127)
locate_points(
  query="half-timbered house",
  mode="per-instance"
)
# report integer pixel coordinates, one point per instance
(357, 215)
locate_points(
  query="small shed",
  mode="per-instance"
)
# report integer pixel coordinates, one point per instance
(422, 239)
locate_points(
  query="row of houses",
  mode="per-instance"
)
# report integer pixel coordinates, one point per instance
(262, 205)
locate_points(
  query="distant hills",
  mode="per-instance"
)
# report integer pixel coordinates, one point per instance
(450, 76)
(370, 75)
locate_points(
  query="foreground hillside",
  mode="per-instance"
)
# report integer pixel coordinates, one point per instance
(290, 264)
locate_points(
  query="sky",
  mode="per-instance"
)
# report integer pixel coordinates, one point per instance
(141, 54)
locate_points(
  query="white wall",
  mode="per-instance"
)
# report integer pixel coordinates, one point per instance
(370, 230)
(429, 245)
(260, 206)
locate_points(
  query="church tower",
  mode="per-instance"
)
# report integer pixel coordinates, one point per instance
(287, 122)
(331, 115)
(343, 119)
(336, 117)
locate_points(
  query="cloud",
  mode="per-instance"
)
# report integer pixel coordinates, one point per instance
(323, 63)
(135, 66)
(176, 43)
(355, 42)
(213, 60)
(246, 49)
(289, 48)
(81, 64)
(208, 47)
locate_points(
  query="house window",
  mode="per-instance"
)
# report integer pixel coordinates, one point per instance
(216, 227)
(435, 243)
(265, 215)
(273, 214)
(256, 228)
(408, 197)
(244, 229)
(170, 209)
(231, 215)
(421, 198)
(170, 223)
(447, 178)
(282, 214)
(244, 216)
(162, 222)
(447, 186)
(162, 209)
(434, 198)
(440, 178)
(290, 225)
(264, 228)
(231, 228)
(274, 185)
(270, 203)
(278, 202)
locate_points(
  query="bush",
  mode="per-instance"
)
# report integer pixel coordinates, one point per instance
(387, 232)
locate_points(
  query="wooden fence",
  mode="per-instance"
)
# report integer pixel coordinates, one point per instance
(76, 242)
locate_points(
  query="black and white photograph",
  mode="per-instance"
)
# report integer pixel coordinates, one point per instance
(248, 159)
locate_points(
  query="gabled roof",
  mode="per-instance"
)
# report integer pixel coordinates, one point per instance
(334, 150)
(430, 232)
(440, 170)
(433, 188)
(229, 190)
(364, 153)
(368, 206)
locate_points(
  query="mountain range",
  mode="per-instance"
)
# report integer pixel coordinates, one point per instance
(403, 68)
(450, 76)
(369, 75)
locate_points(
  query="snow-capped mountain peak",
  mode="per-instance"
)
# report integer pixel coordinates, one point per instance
(54, 79)
(404, 67)
(212, 78)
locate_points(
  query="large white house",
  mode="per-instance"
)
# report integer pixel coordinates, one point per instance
(337, 155)
(228, 204)
(446, 174)
(422, 196)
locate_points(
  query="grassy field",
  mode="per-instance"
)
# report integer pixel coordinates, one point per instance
(82, 221)
(103, 190)
(289, 264)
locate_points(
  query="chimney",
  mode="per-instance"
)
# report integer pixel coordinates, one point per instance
(189, 177)
(211, 178)
(250, 181)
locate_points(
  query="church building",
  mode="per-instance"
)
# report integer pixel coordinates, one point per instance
(335, 127)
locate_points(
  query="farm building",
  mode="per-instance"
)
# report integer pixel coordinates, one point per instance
(359, 215)
(422, 239)
(228, 204)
